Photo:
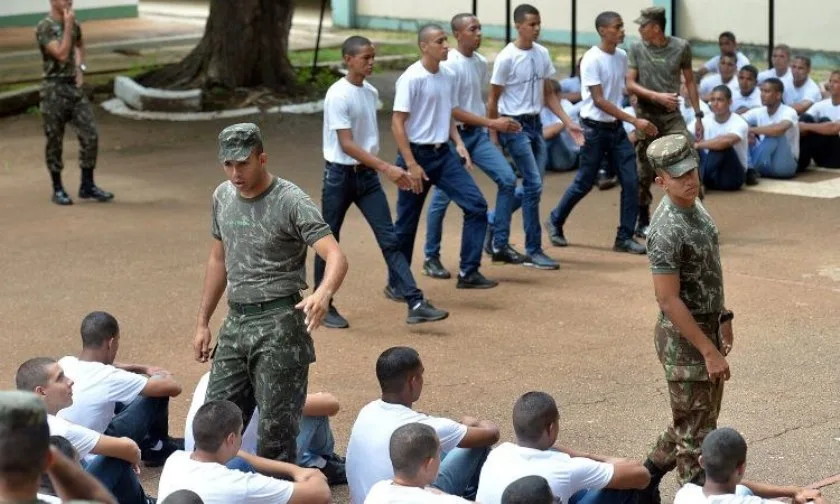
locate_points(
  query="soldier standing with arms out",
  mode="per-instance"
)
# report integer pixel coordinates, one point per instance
(59, 38)
(262, 225)
(655, 65)
(694, 330)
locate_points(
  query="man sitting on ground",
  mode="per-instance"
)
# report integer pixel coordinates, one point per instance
(119, 399)
(562, 150)
(570, 88)
(804, 92)
(780, 68)
(728, 76)
(572, 475)
(528, 490)
(724, 148)
(182, 497)
(774, 133)
(727, 44)
(748, 94)
(415, 456)
(464, 445)
(724, 458)
(206, 471)
(820, 129)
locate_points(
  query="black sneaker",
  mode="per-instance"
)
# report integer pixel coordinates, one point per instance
(541, 261)
(334, 470)
(433, 268)
(60, 197)
(488, 240)
(393, 296)
(555, 234)
(752, 177)
(334, 320)
(151, 500)
(642, 230)
(156, 458)
(606, 182)
(94, 192)
(475, 280)
(508, 255)
(630, 246)
(425, 312)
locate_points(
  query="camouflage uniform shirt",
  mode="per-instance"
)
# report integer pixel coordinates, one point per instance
(49, 29)
(659, 68)
(265, 239)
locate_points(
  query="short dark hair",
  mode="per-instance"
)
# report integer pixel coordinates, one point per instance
(182, 496)
(533, 413)
(98, 327)
(723, 450)
(727, 35)
(458, 20)
(33, 373)
(804, 59)
(424, 31)
(723, 88)
(66, 448)
(411, 446)
(528, 490)
(354, 44)
(213, 422)
(730, 55)
(605, 18)
(783, 47)
(23, 450)
(523, 10)
(751, 69)
(776, 83)
(393, 367)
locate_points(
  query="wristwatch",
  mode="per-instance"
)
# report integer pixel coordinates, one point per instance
(726, 316)
(698, 114)
(83, 68)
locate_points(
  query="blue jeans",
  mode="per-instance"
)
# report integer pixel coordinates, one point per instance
(773, 158)
(491, 161)
(344, 186)
(145, 420)
(118, 477)
(610, 142)
(459, 471)
(603, 496)
(722, 170)
(563, 154)
(529, 153)
(446, 171)
(315, 441)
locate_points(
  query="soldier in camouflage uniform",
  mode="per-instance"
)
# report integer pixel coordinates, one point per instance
(655, 65)
(694, 330)
(59, 38)
(262, 225)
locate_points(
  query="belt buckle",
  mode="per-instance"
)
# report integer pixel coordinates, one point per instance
(437, 146)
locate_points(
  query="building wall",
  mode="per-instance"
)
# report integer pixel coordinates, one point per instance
(28, 12)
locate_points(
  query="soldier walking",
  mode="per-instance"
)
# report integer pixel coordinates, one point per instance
(694, 330)
(63, 100)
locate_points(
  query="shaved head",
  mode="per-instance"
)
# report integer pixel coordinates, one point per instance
(426, 32)
(459, 21)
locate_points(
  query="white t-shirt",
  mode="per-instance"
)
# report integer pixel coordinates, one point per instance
(751, 101)
(809, 91)
(386, 492)
(565, 475)
(470, 77)
(548, 118)
(83, 439)
(216, 484)
(825, 109)
(713, 64)
(249, 437)
(628, 127)
(759, 117)
(787, 78)
(51, 499)
(693, 494)
(368, 457)
(688, 112)
(608, 71)
(734, 125)
(352, 107)
(711, 81)
(523, 74)
(429, 99)
(97, 388)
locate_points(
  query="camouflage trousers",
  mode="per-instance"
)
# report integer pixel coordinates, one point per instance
(262, 359)
(62, 103)
(695, 400)
(667, 124)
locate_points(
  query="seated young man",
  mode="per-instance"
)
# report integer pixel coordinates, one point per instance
(182, 497)
(528, 490)
(121, 400)
(464, 445)
(724, 459)
(26, 456)
(724, 149)
(820, 130)
(804, 92)
(315, 441)
(562, 150)
(570, 88)
(748, 95)
(780, 68)
(688, 111)
(111, 460)
(46, 489)
(415, 457)
(774, 133)
(207, 471)
(574, 477)
(727, 44)
(728, 76)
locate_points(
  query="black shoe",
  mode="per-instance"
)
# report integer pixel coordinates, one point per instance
(541, 261)
(475, 280)
(334, 470)
(642, 230)
(752, 177)
(60, 197)
(605, 182)
(425, 312)
(393, 296)
(94, 192)
(151, 500)
(433, 268)
(156, 458)
(488, 240)
(555, 234)
(334, 320)
(508, 256)
(630, 246)
(650, 494)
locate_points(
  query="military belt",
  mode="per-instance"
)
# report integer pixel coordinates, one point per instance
(252, 308)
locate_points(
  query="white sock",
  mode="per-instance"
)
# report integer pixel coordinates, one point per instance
(158, 446)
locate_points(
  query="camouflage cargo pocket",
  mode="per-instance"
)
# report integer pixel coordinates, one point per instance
(682, 362)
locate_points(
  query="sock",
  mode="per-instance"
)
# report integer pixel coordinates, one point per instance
(56, 181)
(417, 305)
(87, 177)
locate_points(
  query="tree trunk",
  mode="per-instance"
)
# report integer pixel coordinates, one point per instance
(245, 44)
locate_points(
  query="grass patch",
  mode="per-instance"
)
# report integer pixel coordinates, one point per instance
(304, 58)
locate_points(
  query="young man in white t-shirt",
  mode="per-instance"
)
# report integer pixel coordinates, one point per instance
(351, 145)
(774, 133)
(464, 444)
(562, 152)
(218, 426)
(571, 475)
(111, 460)
(121, 400)
(414, 450)
(603, 71)
(724, 459)
(423, 126)
(724, 148)
(804, 92)
(727, 44)
(519, 87)
(748, 94)
(820, 129)
(727, 76)
(528, 490)
(781, 66)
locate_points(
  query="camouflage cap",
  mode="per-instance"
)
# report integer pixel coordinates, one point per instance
(236, 142)
(672, 154)
(650, 15)
(21, 409)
